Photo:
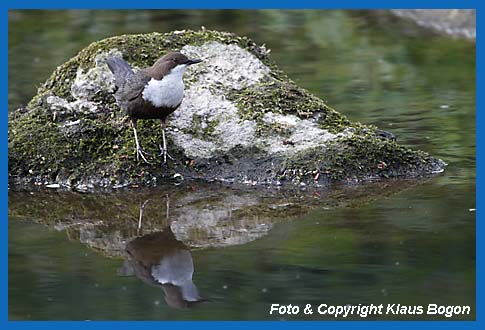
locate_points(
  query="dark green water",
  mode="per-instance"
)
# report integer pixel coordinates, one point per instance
(376, 244)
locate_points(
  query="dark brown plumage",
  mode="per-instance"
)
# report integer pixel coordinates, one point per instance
(151, 93)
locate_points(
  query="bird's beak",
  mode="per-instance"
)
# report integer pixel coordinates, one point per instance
(193, 61)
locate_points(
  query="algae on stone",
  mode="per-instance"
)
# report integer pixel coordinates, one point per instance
(242, 120)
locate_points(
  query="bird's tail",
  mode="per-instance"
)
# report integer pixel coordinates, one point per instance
(120, 68)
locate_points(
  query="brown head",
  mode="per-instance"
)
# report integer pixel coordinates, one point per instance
(167, 63)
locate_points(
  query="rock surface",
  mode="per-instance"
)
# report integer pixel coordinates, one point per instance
(454, 22)
(242, 120)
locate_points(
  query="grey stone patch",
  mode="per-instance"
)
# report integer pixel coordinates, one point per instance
(230, 130)
(234, 132)
(203, 103)
(98, 78)
(57, 103)
(193, 147)
(85, 86)
(226, 65)
(70, 123)
(304, 134)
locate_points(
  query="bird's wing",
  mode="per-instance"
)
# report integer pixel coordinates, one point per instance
(132, 87)
(120, 69)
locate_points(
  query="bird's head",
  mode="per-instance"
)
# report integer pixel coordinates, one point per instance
(177, 61)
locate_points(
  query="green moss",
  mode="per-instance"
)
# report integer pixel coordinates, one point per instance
(358, 157)
(284, 97)
(202, 128)
(41, 148)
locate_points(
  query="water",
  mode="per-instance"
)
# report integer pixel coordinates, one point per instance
(405, 242)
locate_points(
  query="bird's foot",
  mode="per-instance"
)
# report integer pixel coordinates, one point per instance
(165, 154)
(140, 153)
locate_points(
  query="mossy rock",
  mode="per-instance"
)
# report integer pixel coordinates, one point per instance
(242, 120)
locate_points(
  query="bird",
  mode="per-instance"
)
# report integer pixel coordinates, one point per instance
(150, 93)
(161, 260)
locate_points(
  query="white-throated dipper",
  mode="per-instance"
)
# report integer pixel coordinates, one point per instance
(151, 93)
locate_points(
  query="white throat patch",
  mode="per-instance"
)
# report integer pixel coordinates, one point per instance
(167, 92)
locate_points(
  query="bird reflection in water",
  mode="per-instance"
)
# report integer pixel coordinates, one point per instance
(161, 260)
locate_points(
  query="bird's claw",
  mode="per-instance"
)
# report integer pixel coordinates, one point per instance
(141, 153)
(165, 154)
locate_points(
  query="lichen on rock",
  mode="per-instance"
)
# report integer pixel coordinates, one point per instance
(241, 120)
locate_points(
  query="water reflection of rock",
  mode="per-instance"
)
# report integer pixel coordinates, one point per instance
(219, 222)
(199, 219)
(202, 215)
(161, 260)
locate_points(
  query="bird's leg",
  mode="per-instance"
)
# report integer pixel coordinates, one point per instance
(139, 150)
(167, 203)
(163, 149)
(140, 218)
